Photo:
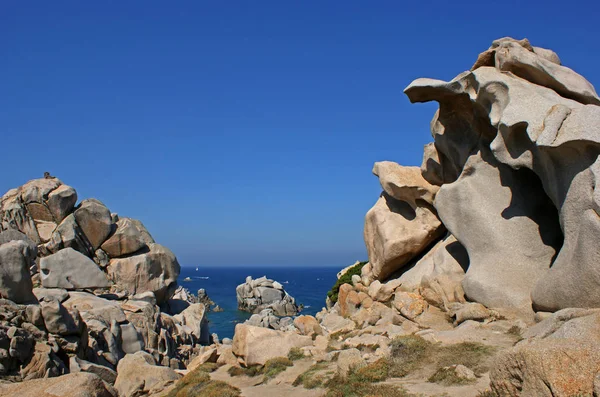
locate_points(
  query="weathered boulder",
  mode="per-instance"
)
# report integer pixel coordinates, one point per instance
(395, 233)
(382, 292)
(78, 365)
(558, 357)
(70, 269)
(438, 275)
(94, 220)
(539, 66)
(78, 384)
(44, 363)
(409, 304)
(195, 318)
(126, 240)
(16, 257)
(68, 234)
(540, 144)
(91, 306)
(308, 325)
(138, 374)
(59, 320)
(491, 207)
(347, 359)
(257, 345)
(267, 319)
(155, 271)
(61, 202)
(404, 183)
(256, 295)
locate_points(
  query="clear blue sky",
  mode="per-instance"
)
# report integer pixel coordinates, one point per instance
(244, 132)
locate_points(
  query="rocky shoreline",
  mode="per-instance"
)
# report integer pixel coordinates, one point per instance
(482, 278)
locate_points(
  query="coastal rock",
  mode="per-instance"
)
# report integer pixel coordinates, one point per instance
(44, 363)
(490, 207)
(16, 257)
(404, 183)
(257, 345)
(126, 240)
(558, 357)
(59, 320)
(155, 271)
(438, 275)
(410, 305)
(61, 202)
(256, 295)
(541, 67)
(138, 374)
(94, 220)
(68, 234)
(78, 384)
(347, 359)
(267, 319)
(395, 232)
(308, 325)
(106, 374)
(195, 318)
(531, 153)
(70, 269)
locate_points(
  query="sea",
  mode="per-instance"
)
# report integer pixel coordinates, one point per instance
(308, 285)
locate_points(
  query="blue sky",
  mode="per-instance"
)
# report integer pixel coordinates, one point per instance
(244, 132)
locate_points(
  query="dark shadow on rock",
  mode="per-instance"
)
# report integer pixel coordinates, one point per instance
(399, 207)
(459, 253)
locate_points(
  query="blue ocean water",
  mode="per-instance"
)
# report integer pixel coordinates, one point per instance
(309, 285)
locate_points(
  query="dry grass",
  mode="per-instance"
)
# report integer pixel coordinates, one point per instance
(313, 377)
(295, 354)
(198, 383)
(374, 372)
(251, 371)
(208, 367)
(447, 376)
(409, 353)
(271, 369)
(275, 366)
(354, 385)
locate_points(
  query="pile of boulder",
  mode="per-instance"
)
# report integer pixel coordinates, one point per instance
(83, 288)
(256, 295)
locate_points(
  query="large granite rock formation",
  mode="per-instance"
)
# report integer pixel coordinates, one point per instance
(82, 288)
(256, 295)
(514, 164)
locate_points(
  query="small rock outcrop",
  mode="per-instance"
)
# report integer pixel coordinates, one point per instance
(257, 345)
(256, 295)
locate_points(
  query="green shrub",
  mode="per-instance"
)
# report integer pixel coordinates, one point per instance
(345, 279)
